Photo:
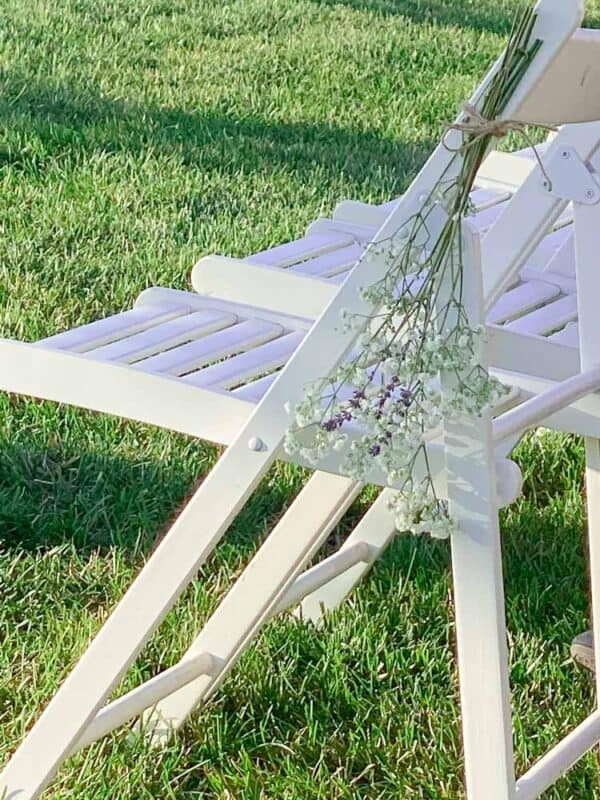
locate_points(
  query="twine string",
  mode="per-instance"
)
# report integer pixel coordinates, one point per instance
(475, 126)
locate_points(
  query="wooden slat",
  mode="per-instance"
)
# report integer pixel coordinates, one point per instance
(331, 263)
(569, 335)
(197, 354)
(301, 249)
(483, 198)
(482, 220)
(163, 337)
(548, 318)
(522, 299)
(548, 247)
(563, 261)
(247, 365)
(254, 391)
(109, 329)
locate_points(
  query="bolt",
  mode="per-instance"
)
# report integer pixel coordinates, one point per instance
(565, 154)
(590, 194)
(255, 444)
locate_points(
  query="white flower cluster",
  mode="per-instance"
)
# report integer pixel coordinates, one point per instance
(388, 396)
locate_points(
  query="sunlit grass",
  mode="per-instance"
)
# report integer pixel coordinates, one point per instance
(136, 137)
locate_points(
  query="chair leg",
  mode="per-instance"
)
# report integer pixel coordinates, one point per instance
(377, 529)
(175, 562)
(592, 480)
(480, 618)
(251, 600)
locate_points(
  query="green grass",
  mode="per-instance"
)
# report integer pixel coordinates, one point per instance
(136, 137)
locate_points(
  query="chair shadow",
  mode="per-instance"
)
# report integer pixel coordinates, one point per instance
(482, 16)
(70, 122)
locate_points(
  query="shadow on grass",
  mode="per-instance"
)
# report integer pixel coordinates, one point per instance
(481, 16)
(52, 125)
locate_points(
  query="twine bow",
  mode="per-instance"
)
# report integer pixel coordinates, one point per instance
(476, 127)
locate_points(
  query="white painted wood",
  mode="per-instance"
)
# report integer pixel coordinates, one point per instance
(512, 352)
(581, 418)
(224, 491)
(133, 703)
(563, 260)
(255, 595)
(376, 529)
(359, 233)
(549, 248)
(300, 250)
(569, 335)
(196, 354)
(117, 389)
(547, 319)
(254, 391)
(523, 298)
(479, 611)
(587, 247)
(560, 759)
(322, 573)
(247, 366)
(109, 329)
(163, 337)
(158, 295)
(535, 410)
(482, 220)
(567, 92)
(504, 171)
(478, 581)
(531, 212)
(331, 263)
(285, 291)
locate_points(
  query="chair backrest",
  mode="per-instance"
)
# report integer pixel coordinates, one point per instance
(326, 344)
(568, 90)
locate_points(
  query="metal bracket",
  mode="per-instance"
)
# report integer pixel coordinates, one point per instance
(569, 178)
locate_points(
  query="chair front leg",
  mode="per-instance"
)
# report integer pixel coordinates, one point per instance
(480, 615)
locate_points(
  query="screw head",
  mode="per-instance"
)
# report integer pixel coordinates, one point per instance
(255, 444)
(590, 194)
(565, 154)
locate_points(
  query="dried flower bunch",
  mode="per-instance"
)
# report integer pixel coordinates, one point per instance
(390, 385)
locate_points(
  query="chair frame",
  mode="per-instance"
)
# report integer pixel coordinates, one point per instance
(469, 469)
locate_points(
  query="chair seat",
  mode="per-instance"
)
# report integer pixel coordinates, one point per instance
(172, 342)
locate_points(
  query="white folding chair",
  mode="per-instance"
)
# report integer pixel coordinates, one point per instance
(222, 365)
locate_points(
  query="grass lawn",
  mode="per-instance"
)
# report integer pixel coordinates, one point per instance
(136, 137)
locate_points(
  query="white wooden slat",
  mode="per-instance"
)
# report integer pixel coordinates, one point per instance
(548, 248)
(158, 295)
(356, 231)
(522, 299)
(483, 198)
(548, 318)
(332, 263)
(569, 335)
(246, 366)
(482, 220)
(567, 92)
(218, 345)
(504, 171)
(254, 391)
(301, 249)
(563, 261)
(110, 329)
(281, 290)
(163, 337)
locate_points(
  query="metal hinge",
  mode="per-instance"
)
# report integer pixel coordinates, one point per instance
(570, 178)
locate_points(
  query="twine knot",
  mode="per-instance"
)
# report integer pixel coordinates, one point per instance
(476, 127)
